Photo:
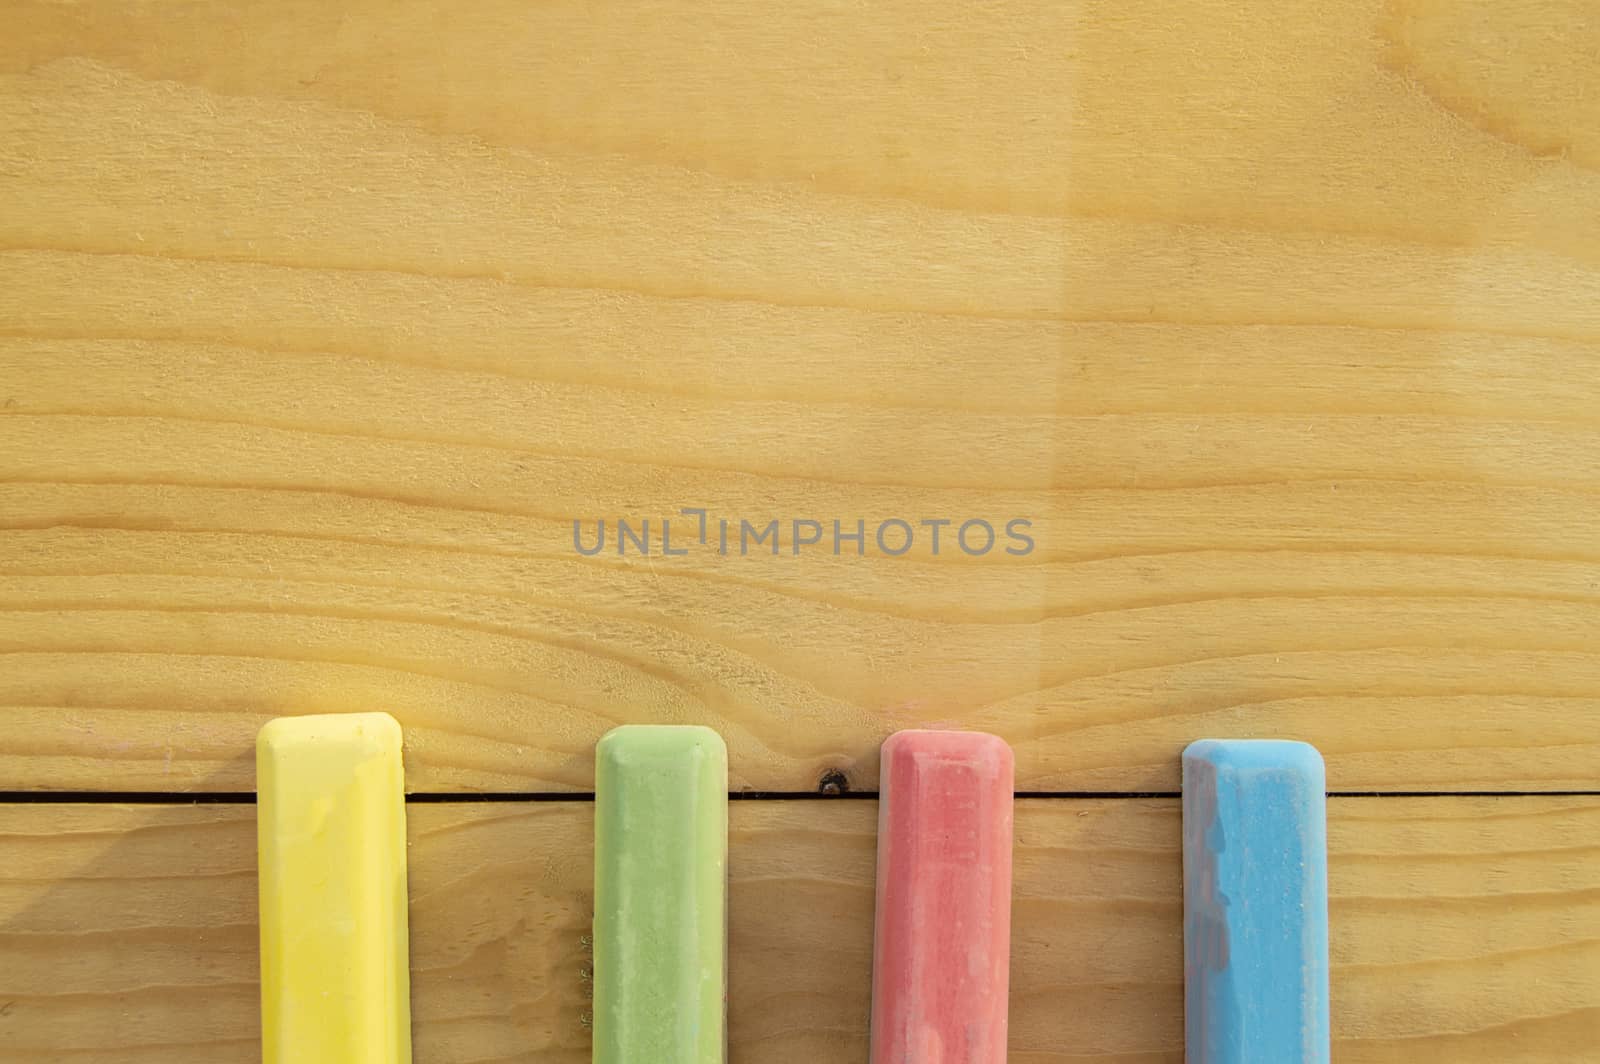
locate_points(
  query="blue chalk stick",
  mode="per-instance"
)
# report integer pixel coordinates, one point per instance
(1255, 903)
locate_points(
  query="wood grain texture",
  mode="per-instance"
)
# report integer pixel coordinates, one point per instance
(1463, 930)
(322, 322)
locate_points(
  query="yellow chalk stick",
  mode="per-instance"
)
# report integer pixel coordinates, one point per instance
(331, 837)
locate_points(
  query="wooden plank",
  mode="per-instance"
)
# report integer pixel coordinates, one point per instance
(1463, 930)
(322, 322)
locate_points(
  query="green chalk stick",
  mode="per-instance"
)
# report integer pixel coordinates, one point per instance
(660, 896)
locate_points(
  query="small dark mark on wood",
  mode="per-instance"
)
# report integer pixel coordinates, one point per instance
(833, 783)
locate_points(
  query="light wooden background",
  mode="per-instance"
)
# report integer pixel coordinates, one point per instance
(320, 323)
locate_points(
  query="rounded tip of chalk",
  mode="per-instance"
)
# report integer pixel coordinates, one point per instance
(1257, 755)
(619, 744)
(977, 747)
(380, 731)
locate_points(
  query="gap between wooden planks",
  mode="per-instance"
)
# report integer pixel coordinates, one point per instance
(1464, 929)
(321, 322)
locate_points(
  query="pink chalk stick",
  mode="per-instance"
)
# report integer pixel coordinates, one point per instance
(942, 944)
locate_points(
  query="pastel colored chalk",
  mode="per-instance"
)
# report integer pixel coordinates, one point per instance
(331, 836)
(942, 938)
(1255, 900)
(660, 896)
